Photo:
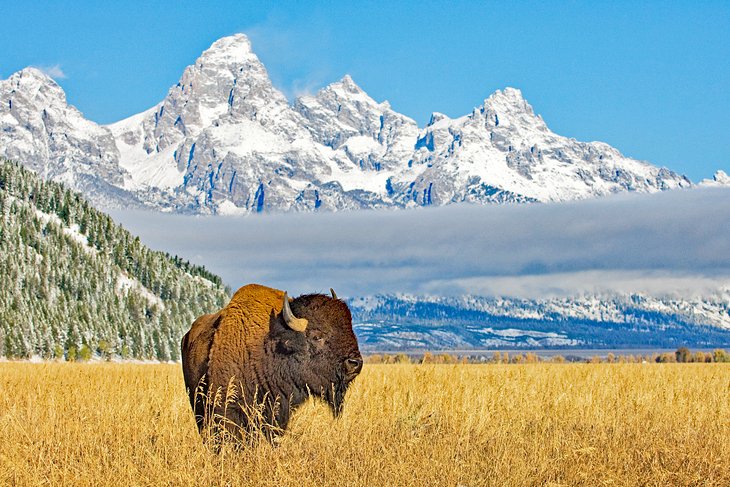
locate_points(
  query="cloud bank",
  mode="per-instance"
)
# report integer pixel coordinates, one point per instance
(673, 242)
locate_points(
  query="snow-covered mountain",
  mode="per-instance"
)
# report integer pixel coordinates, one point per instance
(392, 322)
(225, 140)
(40, 130)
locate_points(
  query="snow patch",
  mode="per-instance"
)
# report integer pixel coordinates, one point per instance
(73, 231)
(126, 283)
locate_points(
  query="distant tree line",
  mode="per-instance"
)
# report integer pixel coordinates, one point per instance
(682, 355)
(74, 284)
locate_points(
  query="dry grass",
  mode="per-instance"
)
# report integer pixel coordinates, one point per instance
(537, 424)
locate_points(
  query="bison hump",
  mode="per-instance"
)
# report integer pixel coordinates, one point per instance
(238, 344)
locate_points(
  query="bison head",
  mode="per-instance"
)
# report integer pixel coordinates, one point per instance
(315, 344)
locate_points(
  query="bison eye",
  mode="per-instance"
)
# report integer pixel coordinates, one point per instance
(317, 337)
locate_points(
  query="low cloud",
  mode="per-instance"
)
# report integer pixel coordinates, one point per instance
(591, 282)
(673, 242)
(54, 71)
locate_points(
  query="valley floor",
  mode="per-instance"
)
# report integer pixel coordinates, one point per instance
(533, 424)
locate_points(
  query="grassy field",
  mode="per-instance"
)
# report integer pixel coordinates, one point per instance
(533, 424)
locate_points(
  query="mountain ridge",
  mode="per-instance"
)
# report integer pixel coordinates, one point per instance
(608, 320)
(225, 140)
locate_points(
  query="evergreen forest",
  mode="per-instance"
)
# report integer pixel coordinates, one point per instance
(75, 285)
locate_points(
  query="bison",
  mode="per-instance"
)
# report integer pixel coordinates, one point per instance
(263, 355)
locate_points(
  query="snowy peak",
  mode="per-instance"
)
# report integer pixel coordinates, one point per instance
(36, 85)
(231, 50)
(436, 117)
(348, 85)
(225, 99)
(341, 95)
(30, 87)
(226, 80)
(39, 128)
(343, 116)
(231, 79)
(30, 75)
(507, 109)
(347, 90)
(719, 179)
(509, 99)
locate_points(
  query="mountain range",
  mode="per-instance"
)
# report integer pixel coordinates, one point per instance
(607, 320)
(225, 141)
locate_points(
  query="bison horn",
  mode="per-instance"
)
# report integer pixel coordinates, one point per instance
(296, 324)
(334, 294)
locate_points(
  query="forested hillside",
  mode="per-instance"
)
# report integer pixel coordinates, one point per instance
(73, 283)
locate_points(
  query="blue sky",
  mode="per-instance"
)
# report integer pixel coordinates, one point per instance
(650, 78)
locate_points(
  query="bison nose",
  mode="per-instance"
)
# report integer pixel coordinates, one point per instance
(353, 365)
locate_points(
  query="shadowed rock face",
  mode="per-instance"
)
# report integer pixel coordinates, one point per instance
(265, 364)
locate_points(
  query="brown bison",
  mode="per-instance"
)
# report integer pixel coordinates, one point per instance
(265, 354)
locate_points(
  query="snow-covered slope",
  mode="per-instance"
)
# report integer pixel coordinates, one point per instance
(589, 321)
(71, 278)
(225, 140)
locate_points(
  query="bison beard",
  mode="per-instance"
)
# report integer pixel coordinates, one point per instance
(336, 395)
(250, 365)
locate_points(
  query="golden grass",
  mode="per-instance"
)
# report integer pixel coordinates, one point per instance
(535, 424)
